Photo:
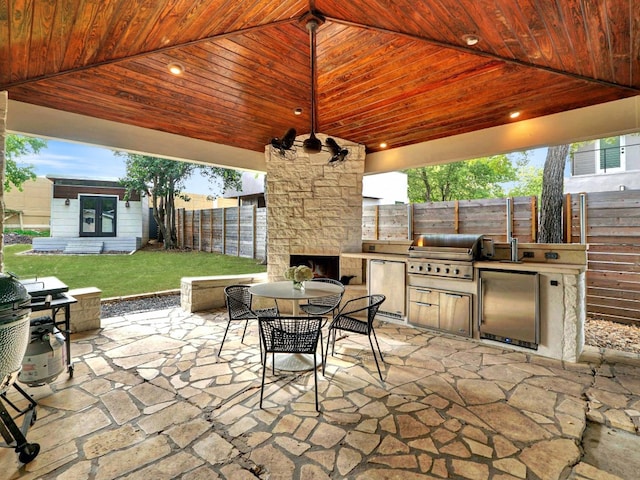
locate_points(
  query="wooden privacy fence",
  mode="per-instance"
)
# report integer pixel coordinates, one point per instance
(237, 231)
(610, 223)
(494, 218)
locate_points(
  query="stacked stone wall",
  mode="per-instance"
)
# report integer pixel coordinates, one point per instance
(314, 208)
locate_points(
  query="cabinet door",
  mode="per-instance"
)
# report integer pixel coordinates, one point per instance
(455, 313)
(388, 278)
(424, 314)
(423, 307)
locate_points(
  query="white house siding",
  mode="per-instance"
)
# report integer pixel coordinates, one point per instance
(586, 178)
(130, 220)
(633, 154)
(65, 219)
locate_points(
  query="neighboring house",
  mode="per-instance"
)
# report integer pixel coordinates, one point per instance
(251, 192)
(385, 189)
(605, 165)
(379, 189)
(91, 215)
(29, 209)
(197, 201)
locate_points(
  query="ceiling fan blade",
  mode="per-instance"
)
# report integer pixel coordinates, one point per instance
(288, 139)
(332, 145)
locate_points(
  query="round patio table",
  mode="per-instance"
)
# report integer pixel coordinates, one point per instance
(284, 290)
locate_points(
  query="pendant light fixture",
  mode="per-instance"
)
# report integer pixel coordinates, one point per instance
(311, 145)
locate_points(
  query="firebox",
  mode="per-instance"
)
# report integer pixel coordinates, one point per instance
(322, 266)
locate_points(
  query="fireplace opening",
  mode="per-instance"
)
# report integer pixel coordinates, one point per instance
(322, 266)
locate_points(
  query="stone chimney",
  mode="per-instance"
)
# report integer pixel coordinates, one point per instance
(314, 208)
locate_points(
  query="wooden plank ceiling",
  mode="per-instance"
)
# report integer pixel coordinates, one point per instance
(394, 71)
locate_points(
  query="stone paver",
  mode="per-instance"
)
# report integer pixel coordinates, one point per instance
(150, 398)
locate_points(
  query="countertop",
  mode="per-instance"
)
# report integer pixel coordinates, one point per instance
(392, 257)
(543, 267)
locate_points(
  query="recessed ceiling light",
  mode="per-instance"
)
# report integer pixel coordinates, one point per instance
(514, 114)
(175, 69)
(298, 111)
(470, 39)
(383, 145)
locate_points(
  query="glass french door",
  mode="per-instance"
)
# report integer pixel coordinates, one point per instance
(98, 216)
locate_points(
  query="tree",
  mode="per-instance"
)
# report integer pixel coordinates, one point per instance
(18, 146)
(552, 195)
(529, 182)
(163, 180)
(478, 178)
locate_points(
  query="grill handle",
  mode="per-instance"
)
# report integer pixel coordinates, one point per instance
(481, 290)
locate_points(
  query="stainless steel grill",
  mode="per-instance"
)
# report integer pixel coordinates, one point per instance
(449, 255)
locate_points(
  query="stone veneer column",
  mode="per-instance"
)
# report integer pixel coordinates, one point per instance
(4, 101)
(314, 208)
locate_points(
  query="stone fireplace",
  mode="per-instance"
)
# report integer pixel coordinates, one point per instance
(322, 266)
(314, 209)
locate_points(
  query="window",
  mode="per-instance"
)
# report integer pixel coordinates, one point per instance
(610, 155)
(98, 216)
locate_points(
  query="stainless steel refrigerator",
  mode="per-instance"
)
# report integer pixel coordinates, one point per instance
(509, 309)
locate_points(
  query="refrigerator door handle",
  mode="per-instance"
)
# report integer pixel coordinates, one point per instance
(481, 288)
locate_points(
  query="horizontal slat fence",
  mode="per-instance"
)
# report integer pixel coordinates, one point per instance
(487, 217)
(611, 224)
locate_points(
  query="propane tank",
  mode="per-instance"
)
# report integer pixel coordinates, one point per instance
(45, 356)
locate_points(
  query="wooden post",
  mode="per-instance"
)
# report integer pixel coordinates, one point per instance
(568, 220)
(534, 219)
(211, 230)
(375, 223)
(224, 231)
(199, 230)
(182, 227)
(238, 231)
(456, 216)
(254, 213)
(193, 228)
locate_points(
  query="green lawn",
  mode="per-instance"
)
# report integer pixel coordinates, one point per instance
(118, 275)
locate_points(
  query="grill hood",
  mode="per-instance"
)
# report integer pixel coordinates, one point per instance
(453, 246)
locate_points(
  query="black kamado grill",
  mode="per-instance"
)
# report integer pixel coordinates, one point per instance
(15, 310)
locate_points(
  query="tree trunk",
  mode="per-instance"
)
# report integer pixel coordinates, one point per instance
(552, 195)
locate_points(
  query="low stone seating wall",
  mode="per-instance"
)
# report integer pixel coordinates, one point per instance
(206, 293)
(85, 314)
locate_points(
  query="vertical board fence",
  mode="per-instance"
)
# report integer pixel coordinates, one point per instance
(237, 231)
(610, 224)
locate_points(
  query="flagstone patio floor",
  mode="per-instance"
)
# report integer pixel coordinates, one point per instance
(151, 399)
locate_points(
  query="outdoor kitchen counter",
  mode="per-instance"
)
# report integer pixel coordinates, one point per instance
(540, 267)
(392, 257)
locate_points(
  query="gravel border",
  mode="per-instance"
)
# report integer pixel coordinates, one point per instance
(116, 308)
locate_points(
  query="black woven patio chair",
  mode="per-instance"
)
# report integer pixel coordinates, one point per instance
(323, 305)
(290, 335)
(238, 300)
(356, 316)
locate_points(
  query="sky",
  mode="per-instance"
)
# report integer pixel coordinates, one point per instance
(79, 160)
